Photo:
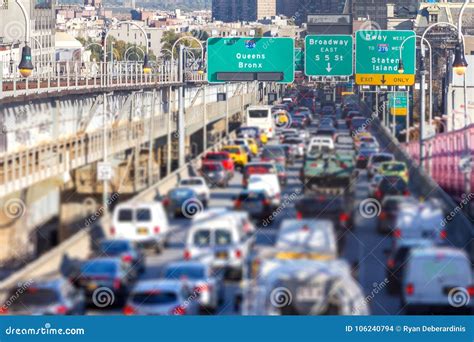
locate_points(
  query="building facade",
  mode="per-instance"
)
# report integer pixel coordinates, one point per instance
(242, 10)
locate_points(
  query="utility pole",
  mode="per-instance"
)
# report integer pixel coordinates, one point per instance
(227, 110)
(204, 113)
(150, 146)
(422, 104)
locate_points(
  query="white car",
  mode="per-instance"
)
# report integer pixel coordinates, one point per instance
(199, 185)
(146, 224)
(162, 297)
(438, 279)
(312, 236)
(322, 142)
(220, 242)
(268, 183)
(199, 277)
(420, 221)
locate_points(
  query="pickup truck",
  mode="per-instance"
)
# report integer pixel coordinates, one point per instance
(325, 168)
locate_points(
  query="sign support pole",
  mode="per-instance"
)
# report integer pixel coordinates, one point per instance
(181, 124)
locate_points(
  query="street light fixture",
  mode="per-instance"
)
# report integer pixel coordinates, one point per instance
(401, 68)
(26, 66)
(460, 63)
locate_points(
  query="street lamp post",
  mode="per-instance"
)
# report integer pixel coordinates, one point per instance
(26, 66)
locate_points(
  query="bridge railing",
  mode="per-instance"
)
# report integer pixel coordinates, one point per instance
(62, 76)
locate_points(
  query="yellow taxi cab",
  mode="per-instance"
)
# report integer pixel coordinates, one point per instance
(238, 154)
(394, 168)
(263, 138)
(253, 146)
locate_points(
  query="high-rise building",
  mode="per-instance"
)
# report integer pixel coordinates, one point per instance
(299, 9)
(42, 21)
(242, 10)
(287, 8)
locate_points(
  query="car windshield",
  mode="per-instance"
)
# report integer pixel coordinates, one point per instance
(202, 238)
(270, 152)
(191, 182)
(223, 237)
(154, 298)
(216, 156)
(143, 215)
(189, 272)
(258, 113)
(33, 297)
(381, 158)
(181, 193)
(125, 215)
(393, 167)
(99, 267)
(233, 150)
(212, 167)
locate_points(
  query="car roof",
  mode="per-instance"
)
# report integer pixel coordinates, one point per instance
(437, 250)
(158, 284)
(193, 178)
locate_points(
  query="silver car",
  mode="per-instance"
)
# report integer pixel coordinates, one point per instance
(200, 278)
(162, 297)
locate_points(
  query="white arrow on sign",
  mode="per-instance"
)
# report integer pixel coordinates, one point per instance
(329, 67)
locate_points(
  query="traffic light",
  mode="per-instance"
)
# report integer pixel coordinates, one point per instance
(25, 66)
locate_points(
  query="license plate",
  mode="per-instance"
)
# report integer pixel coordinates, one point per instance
(142, 231)
(221, 255)
(92, 286)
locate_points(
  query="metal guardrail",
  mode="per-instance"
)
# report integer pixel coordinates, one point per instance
(21, 169)
(76, 76)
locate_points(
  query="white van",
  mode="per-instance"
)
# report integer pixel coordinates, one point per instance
(313, 236)
(146, 224)
(261, 117)
(268, 183)
(219, 241)
(438, 279)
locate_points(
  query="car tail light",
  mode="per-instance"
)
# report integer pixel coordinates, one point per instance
(179, 310)
(166, 202)
(117, 284)
(247, 227)
(127, 258)
(270, 129)
(390, 263)
(3, 310)
(299, 215)
(156, 230)
(112, 231)
(238, 253)
(397, 233)
(129, 310)
(187, 255)
(344, 217)
(314, 164)
(266, 202)
(410, 289)
(406, 193)
(378, 193)
(61, 310)
(443, 234)
(470, 290)
(383, 215)
(237, 204)
(203, 288)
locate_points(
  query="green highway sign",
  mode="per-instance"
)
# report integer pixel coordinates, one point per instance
(248, 59)
(378, 57)
(299, 59)
(328, 55)
(398, 103)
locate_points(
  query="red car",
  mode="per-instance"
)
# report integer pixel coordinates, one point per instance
(221, 157)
